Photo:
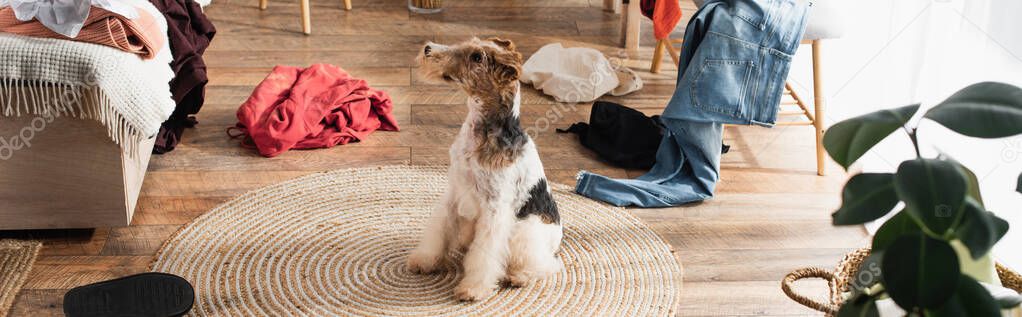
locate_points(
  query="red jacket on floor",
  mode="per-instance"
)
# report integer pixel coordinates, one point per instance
(317, 107)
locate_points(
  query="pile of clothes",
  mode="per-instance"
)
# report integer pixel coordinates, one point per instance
(115, 24)
(307, 108)
(577, 74)
(732, 71)
(622, 136)
(580, 74)
(190, 34)
(125, 26)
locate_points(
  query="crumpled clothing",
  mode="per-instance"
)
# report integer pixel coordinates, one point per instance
(190, 33)
(65, 17)
(723, 79)
(620, 135)
(686, 170)
(316, 107)
(577, 74)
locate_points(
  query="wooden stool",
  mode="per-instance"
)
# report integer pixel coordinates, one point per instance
(71, 176)
(306, 16)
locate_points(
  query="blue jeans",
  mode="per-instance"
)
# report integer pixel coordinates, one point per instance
(732, 69)
(687, 169)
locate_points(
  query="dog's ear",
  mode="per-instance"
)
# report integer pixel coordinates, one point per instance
(508, 65)
(506, 44)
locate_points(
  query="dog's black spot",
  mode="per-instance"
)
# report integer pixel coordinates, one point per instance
(502, 137)
(540, 203)
(507, 129)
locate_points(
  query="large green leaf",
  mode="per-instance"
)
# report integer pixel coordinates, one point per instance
(979, 229)
(848, 140)
(861, 305)
(970, 299)
(983, 110)
(971, 181)
(919, 271)
(933, 191)
(866, 197)
(901, 224)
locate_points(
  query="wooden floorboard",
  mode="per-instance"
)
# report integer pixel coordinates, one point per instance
(771, 213)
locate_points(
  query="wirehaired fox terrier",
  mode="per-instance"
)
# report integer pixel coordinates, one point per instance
(497, 207)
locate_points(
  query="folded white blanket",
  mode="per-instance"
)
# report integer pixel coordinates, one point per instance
(129, 95)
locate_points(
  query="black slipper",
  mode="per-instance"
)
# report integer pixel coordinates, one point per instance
(146, 294)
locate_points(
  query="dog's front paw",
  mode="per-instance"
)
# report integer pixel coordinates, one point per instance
(473, 292)
(519, 279)
(422, 263)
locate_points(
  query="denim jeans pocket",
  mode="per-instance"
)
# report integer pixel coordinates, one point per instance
(721, 86)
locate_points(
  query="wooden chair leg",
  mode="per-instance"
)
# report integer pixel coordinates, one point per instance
(658, 54)
(612, 6)
(672, 52)
(306, 19)
(631, 28)
(263, 4)
(347, 5)
(819, 106)
(658, 51)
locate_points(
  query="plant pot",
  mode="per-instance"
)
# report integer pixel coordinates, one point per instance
(840, 280)
(425, 6)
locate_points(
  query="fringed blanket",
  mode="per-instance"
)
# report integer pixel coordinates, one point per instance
(127, 94)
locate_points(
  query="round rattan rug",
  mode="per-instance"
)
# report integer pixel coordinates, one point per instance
(335, 243)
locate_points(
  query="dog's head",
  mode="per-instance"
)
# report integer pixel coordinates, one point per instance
(475, 65)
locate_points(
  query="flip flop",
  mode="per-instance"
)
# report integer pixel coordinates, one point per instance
(146, 294)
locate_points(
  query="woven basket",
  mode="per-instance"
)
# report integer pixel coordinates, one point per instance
(839, 281)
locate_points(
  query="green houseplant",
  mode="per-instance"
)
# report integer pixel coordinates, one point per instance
(915, 250)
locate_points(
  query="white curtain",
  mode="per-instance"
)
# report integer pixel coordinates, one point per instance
(899, 52)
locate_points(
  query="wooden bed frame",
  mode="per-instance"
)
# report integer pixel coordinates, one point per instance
(66, 173)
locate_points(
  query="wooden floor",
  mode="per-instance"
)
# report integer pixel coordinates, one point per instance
(771, 213)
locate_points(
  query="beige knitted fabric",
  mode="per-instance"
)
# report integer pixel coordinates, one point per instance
(129, 95)
(335, 244)
(16, 259)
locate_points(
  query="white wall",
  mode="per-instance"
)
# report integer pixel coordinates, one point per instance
(897, 52)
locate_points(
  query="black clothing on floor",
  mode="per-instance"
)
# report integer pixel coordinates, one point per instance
(189, 33)
(623, 136)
